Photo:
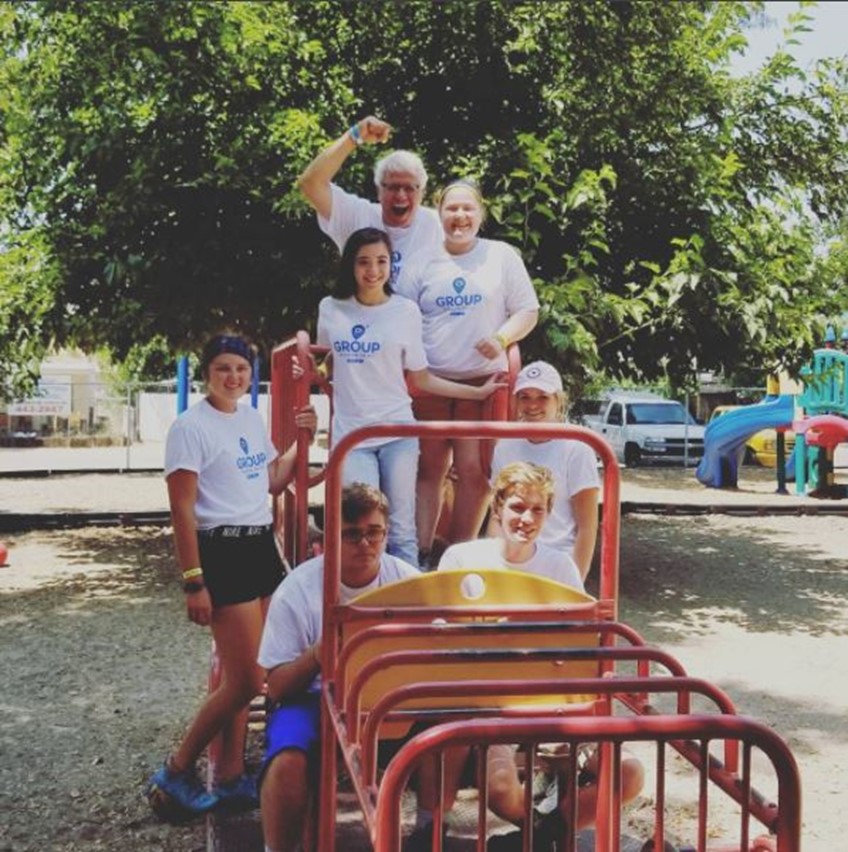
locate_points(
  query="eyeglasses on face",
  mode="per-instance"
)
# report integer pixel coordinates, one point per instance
(373, 535)
(398, 188)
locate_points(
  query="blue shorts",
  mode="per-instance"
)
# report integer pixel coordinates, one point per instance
(293, 725)
(297, 725)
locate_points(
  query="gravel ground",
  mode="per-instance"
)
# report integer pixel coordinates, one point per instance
(101, 671)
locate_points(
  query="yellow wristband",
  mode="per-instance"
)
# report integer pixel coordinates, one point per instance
(323, 369)
(191, 573)
(503, 340)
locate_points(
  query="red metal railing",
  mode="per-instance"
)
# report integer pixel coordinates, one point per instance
(784, 816)
(335, 615)
(289, 394)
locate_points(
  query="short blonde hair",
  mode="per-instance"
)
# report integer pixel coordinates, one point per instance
(522, 476)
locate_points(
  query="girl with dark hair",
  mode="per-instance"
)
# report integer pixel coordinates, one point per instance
(374, 338)
(220, 465)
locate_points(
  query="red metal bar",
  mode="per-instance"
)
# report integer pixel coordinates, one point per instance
(288, 394)
(334, 615)
(614, 688)
(466, 429)
(283, 434)
(786, 824)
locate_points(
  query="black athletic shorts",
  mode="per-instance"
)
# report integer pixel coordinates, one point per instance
(240, 564)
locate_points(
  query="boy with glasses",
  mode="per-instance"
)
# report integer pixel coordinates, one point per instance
(400, 179)
(290, 651)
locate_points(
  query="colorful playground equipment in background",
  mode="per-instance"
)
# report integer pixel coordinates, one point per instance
(761, 447)
(726, 437)
(825, 421)
(822, 424)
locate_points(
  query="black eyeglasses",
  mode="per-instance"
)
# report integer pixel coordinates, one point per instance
(373, 535)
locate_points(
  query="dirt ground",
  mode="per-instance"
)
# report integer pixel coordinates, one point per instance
(100, 669)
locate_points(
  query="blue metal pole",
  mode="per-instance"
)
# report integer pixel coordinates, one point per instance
(254, 383)
(182, 384)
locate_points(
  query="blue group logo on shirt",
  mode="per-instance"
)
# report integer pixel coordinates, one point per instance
(356, 346)
(457, 302)
(249, 463)
(397, 259)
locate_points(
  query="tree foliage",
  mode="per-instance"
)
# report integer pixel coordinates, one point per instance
(674, 217)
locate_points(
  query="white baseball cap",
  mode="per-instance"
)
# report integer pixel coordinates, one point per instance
(539, 375)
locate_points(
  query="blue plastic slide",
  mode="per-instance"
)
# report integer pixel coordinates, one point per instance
(724, 440)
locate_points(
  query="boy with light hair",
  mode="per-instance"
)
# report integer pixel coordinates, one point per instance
(522, 500)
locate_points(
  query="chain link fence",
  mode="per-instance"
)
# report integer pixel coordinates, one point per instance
(131, 421)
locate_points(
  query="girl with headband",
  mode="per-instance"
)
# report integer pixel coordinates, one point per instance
(220, 466)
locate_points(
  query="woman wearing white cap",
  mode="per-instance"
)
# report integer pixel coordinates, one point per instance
(573, 522)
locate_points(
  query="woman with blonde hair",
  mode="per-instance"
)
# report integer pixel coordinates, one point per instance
(476, 298)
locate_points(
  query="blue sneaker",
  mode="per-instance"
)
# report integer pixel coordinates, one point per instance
(239, 793)
(178, 795)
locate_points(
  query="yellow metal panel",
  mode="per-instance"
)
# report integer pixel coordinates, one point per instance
(470, 589)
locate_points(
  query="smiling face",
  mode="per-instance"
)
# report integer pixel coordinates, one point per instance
(523, 514)
(462, 215)
(227, 380)
(535, 406)
(399, 195)
(371, 270)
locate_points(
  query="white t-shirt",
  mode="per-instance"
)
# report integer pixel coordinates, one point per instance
(464, 298)
(372, 345)
(349, 213)
(230, 453)
(488, 553)
(295, 614)
(574, 469)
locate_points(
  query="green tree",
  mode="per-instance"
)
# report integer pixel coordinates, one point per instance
(147, 146)
(674, 217)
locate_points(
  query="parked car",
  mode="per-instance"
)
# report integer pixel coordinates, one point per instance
(761, 447)
(644, 427)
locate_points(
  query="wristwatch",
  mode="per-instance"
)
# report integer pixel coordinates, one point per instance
(193, 586)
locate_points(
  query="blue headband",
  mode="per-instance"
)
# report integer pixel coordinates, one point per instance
(226, 343)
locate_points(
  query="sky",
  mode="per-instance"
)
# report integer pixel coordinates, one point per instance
(829, 36)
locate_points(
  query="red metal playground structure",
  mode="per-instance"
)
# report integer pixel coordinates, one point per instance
(485, 657)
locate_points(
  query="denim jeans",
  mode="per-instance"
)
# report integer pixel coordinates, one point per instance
(393, 468)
